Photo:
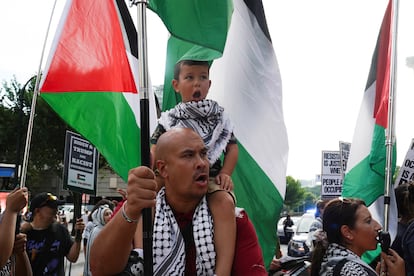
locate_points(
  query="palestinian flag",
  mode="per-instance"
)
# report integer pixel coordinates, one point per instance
(246, 82)
(91, 79)
(365, 176)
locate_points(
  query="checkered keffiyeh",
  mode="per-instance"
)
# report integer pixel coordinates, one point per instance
(354, 265)
(168, 243)
(207, 118)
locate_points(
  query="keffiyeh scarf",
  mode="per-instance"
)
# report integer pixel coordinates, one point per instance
(168, 243)
(336, 253)
(207, 118)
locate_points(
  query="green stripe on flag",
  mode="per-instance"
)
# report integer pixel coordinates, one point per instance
(197, 21)
(366, 180)
(114, 129)
(256, 193)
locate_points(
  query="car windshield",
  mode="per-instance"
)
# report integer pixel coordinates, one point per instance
(304, 224)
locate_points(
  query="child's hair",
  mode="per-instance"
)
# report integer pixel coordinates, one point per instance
(404, 195)
(339, 211)
(177, 67)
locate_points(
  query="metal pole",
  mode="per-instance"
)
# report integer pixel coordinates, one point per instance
(33, 107)
(145, 132)
(19, 131)
(391, 103)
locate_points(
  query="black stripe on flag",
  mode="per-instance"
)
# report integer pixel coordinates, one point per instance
(256, 7)
(129, 27)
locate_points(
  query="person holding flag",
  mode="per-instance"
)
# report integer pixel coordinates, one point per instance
(183, 226)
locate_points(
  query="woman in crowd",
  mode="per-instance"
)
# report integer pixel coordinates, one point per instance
(90, 224)
(349, 231)
(100, 217)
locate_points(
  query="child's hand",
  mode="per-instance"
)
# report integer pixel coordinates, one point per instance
(225, 182)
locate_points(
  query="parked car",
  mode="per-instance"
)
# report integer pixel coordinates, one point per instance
(68, 210)
(291, 230)
(299, 245)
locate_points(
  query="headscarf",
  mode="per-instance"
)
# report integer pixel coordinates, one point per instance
(98, 220)
(98, 216)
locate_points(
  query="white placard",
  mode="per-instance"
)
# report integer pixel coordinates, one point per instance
(406, 172)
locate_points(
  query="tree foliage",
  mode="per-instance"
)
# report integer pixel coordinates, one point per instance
(48, 134)
(295, 194)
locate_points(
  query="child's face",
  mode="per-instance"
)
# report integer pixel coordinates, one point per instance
(193, 83)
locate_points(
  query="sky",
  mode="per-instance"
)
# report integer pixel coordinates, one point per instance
(323, 47)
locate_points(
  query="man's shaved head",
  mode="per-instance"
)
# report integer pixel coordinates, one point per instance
(164, 144)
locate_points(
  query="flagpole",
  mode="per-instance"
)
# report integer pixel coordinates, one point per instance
(145, 132)
(33, 106)
(391, 106)
(30, 127)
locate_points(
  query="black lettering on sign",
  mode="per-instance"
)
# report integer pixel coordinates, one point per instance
(335, 170)
(405, 174)
(409, 163)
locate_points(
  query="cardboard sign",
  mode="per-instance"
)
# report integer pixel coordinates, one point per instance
(344, 149)
(81, 164)
(331, 177)
(406, 172)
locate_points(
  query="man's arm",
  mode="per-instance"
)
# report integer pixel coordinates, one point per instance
(16, 200)
(111, 248)
(73, 254)
(22, 265)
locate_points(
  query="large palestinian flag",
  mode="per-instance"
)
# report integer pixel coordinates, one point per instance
(246, 82)
(365, 176)
(91, 79)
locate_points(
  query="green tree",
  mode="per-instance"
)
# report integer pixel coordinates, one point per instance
(48, 135)
(295, 194)
(315, 190)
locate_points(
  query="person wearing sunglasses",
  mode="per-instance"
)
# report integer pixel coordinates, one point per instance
(49, 242)
(348, 232)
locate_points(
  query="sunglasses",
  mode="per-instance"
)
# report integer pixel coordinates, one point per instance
(50, 198)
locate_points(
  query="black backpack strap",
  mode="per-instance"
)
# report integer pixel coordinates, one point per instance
(338, 267)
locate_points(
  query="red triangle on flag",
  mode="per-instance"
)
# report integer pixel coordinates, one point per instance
(89, 51)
